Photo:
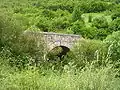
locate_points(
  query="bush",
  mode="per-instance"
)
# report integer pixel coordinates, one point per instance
(20, 47)
(90, 18)
(117, 1)
(100, 22)
(42, 24)
(115, 15)
(88, 78)
(113, 43)
(88, 32)
(22, 21)
(9, 31)
(94, 33)
(115, 25)
(48, 13)
(76, 15)
(29, 46)
(69, 8)
(87, 51)
(76, 27)
(60, 23)
(102, 33)
(94, 6)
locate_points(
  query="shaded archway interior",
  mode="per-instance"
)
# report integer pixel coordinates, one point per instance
(60, 51)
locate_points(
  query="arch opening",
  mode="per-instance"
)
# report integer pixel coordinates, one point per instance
(59, 51)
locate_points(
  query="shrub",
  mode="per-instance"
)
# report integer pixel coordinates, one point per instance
(100, 22)
(20, 47)
(22, 21)
(115, 25)
(60, 23)
(42, 24)
(86, 79)
(94, 33)
(117, 1)
(29, 45)
(76, 27)
(87, 51)
(90, 18)
(94, 6)
(102, 33)
(115, 15)
(48, 13)
(113, 43)
(76, 15)
(98, 6)
(88, 32)
(68, 7)
(9, 30)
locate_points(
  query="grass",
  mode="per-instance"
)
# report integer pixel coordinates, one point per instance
(39, 79)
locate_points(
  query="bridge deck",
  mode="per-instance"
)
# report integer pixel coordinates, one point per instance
(61, 34)
(52, 33)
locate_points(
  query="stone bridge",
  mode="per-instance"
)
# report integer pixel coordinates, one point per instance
(54, 40)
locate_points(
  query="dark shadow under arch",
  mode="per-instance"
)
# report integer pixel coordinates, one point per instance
(64, 50)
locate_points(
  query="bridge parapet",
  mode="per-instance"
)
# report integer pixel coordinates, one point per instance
(53, 40)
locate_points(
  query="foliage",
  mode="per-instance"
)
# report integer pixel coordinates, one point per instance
(9, 31)
(88, 32)
(28, 49)
(76, 15)
(100, 22)
(48, 13)
(92, 32)
(20, 47)
(102, 33)
(94, 6)
(115, 25)
(90, 18)
(42, 24)
(76, 27)
(117, 1)
(61, 16)
(114, 47)
(85, 67)
(60, 23)
(71, 79)
(87, 51)
(60, 6)
(115, 15)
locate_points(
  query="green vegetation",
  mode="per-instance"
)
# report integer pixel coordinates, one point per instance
(62, 16)
(93, 63)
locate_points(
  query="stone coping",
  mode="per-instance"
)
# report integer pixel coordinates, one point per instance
(52, 33)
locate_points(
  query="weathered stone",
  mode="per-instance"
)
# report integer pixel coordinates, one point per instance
(53, 40)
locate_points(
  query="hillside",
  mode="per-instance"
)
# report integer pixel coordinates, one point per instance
(91, 18)
(93, 63)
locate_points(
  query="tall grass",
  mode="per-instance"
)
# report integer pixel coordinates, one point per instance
(88, 78)
(22, 50)
(22, 66)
